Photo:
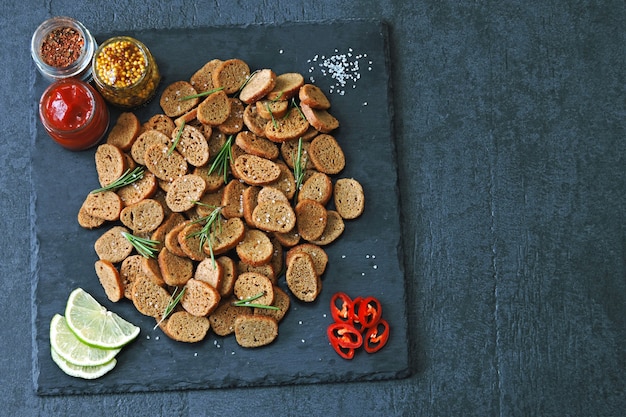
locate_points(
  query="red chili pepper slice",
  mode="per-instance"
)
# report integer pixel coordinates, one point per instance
(356, 303)
(370, 312)
(341, 308)
(376, 337)
(344, 335)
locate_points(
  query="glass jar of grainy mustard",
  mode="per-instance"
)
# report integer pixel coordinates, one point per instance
(62, 47)
(125, 72)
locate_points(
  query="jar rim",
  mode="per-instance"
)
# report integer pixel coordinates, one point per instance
(85, 86)
(144, 52)
(75, 68)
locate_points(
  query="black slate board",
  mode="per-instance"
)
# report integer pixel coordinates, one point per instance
(367, 259)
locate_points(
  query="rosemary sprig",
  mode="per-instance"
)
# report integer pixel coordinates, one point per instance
(171, 305)
(145, 247)
(293, 102)
(176, 139)
(223, 159)
(211, 221)
(128, 177)
(298, 169)
(247, 302)
(203, 94)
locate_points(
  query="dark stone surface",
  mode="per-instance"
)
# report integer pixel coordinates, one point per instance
(510, 122)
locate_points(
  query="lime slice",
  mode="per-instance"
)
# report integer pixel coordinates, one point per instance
(70, 348)
(85, 372)
(95, 325)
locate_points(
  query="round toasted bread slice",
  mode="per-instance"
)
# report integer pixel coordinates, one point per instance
(161, 123)
(326, 154)
(215, 109)
(223, 318)
(317, 253)
(124, 131)
(144, 141)
(105, 205)
(172, 99)
(272, 109)
(301, 278)
(251, 284)
(175, 270)
(255, 248)
(210, 271)
(256, 145)
(320, 119)
(232, 200)
(143, 216)
(190, 241)
(202, 79)
(192, 145)
(313, 96)
(318, 187)
(230, 275)
(292, 126)
(165, 164)
(281, 300)
(110, 279)
(259, 84)
(230, 75)
(255, 330)
(285, 182)
(149, 298)
(349, 198)
(275, 216)
(228, 235)
(143, 188)
(287, 86)
(110, 163)
(234, 122)
(183, 326)
(254, 121)
(254, 170)
(130, 269)
(184, 192)
(311, 218)
(200, 298)
(334, 228)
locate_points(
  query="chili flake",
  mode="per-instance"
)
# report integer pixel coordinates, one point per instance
(62, 47)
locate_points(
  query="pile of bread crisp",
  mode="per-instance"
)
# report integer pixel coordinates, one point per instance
(269, 224)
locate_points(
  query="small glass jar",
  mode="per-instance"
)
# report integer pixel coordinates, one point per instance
(61, 48)
(74, 114)
(125, 72)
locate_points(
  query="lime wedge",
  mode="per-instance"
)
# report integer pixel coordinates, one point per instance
(95, 325)
(70, 348)
(85, 372)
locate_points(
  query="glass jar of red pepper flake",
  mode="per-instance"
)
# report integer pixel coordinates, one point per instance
(125, 72)
(62, 47)
(74, 114)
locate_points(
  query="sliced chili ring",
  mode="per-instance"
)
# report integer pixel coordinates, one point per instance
(341, 308)
(346, 353)
(369, 312)
(376, 337)
(356, 303)
(344, 335)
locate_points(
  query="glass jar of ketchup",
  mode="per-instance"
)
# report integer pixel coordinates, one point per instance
(73, 114)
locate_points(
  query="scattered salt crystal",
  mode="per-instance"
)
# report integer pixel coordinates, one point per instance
(375, 267)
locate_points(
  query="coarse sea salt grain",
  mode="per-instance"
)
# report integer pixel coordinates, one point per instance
(342, 67)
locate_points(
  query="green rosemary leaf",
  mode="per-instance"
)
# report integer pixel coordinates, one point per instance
(247, 302)
(127, 178)
(199, 95)
(223, 159)
(298, 169)
(171, 305)
(176, 139)
(145, 247)
(210, 223)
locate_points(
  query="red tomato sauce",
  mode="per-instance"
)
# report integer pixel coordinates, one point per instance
(74, 114)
